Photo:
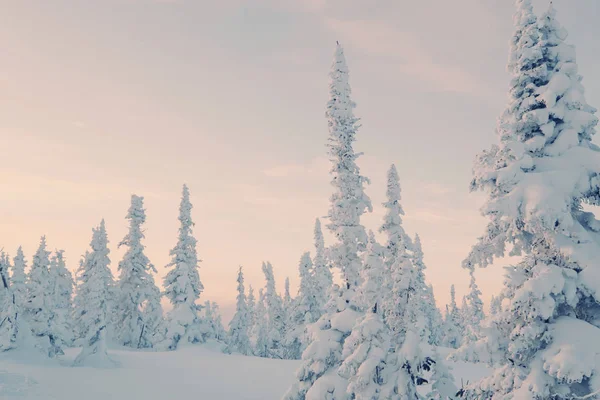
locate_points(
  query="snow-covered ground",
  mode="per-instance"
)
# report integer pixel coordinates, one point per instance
(200, 371)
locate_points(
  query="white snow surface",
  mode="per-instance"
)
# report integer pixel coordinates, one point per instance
(193, 371)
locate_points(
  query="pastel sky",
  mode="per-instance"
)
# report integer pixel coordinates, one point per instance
(100, 99)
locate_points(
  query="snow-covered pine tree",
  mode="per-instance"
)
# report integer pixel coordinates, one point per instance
(259, 330)
(18, 279)
(251, 302)
(62, 280)
(275, 315)
(212, 316)
(182, 283)
(495, 303)
(366, 349)
(473, 315)
(544, 168)
(95, 304)
(306, 309)
(15, 331)
(138, 311)
(40, 302)
(348, 203)
(322, 272)
(432, 314)
(452, 324)
(8, 311)
(238, 326)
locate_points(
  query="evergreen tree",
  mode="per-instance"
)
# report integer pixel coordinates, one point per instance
(138, 311)
(322, 272)
(18, 279)
(473, 315)
(452, 323)
(366, 349)
(40, 302)
(238, 326)
(95, 305)
(8, 312)
(212, 316)
(182, 283)
(259, 330)
(544, 168)
(251, 302)
(306, 309)
(348, 203)
(62, 290)
(275, 315)
(495, 304)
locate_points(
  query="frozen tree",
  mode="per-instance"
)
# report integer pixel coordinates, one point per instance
(238, 326)
(442, 387)
(95, 304)
(138, 311)
(287, 298)
(348, 203)
(251, 302)
(306, 309)
(275, 315)
(543, 170)
(182, 283)
(473, 312)
(212, 316)
(40, 302)
(400, 273)
(62, 290)
(366, 349)
(322, 272)
(433, 316)
(495, 303)
(15, 331)
(18, 279)
(259, 330)
(452, 323)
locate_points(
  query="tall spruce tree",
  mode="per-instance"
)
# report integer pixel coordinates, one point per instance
(537, 178)
(95, 303)
(182, 283)
(452, 323)
(138, 309)
(259, 330)
(348, 203)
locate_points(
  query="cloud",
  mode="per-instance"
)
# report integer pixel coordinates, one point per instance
(317, 166)
(383, 39)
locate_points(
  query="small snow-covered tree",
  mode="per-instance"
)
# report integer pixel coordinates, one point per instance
(452, 323)
(182, 283)
(306, 309)
(473, 313)
(212, 316)
(238, 326)
(95, 304)
(348, 203)
(259, 330)
(62, 290)
(251, 302)
(40, 302)
(537, 178)
(15, 331)
(139, 314)
(18, 279)
(495, 303)
(275, 315)
(322, 272)
(366, 348)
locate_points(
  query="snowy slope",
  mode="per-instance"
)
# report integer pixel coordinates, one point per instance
(199, 371)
